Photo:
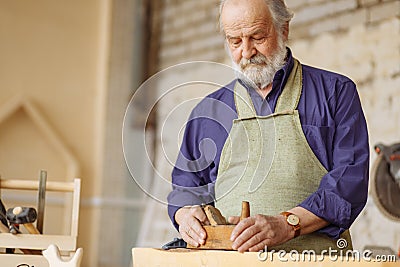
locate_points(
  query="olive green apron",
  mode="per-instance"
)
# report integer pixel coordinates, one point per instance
(267, 161)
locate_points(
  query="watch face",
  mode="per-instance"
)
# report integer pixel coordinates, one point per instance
(293, 219)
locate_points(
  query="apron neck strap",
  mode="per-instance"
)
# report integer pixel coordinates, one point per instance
(287, 101)
(290, 96)
(243, 102)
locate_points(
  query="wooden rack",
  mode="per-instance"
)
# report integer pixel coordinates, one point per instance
(66, 243)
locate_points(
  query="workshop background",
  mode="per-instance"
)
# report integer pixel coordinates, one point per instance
(68, 69)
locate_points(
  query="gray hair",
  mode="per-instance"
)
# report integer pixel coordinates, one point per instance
(280, 13)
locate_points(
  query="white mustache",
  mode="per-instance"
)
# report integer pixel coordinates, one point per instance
(258, 59)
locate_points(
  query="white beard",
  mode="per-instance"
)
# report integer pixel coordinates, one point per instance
(259, 71)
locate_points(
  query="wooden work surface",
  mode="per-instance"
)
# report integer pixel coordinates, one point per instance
(150, 257)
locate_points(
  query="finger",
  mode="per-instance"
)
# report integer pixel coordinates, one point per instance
(242, 225)
(188, 232)
(196, 231)
(234, 219)
(244, 237)
(199, 214)
(189, 239)
(253, 242)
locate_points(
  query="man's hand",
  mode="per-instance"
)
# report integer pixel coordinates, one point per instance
(254, 233)
(190, 221)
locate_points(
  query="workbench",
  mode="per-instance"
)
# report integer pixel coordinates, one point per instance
(150, 257)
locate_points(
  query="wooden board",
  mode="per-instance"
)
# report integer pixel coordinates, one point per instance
(149, 257)
(65, 243)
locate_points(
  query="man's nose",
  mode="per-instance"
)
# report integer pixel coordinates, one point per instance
(248, 49)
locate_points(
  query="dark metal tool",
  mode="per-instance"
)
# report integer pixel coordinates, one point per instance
(385, 180)
(176, 243)
(25, 216)
(41, 200)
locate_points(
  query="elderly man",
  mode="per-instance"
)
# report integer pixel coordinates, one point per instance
(296, 146)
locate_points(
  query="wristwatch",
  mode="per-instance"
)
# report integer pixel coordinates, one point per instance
(294, 221)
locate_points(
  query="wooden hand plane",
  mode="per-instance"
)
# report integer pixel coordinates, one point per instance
(219, 231)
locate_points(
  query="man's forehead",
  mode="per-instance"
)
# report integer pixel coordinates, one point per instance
(239, 14)
(243, 30)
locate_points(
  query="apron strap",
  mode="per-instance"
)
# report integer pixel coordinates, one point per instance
(244, 104)
(290, 96)
(287, 101)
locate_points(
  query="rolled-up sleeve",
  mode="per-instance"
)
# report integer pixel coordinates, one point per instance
(343, 191)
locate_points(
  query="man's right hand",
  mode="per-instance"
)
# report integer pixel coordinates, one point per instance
(190, 221)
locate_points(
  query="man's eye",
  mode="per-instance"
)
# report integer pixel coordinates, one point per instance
(235, 42)
(259, 40)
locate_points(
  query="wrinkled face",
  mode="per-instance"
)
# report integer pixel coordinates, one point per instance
(256, 48)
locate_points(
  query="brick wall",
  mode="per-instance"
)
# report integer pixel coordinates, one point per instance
(190, 27)
(359, 38)
(190, 32)
(314, 17)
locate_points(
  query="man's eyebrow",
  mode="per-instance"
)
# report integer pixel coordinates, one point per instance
(231, 37)
(260, 31)
(255, 32)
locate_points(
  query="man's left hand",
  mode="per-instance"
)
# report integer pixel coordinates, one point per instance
(254, 233)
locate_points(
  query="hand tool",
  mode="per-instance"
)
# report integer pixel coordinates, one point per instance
(174, 244)
(214, 215)
(41, 200)
(385, 180)
(25, 216)
(218, 235)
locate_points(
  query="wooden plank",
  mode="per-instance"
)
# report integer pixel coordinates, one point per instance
(75, 207)
(65, 243)
(149, 257)
(34, 185)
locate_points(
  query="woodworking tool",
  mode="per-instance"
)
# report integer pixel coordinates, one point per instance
(218, 235)
(25, 216)
(385, 180)
(41, 200)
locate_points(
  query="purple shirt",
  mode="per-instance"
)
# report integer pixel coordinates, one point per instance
(332, 121)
